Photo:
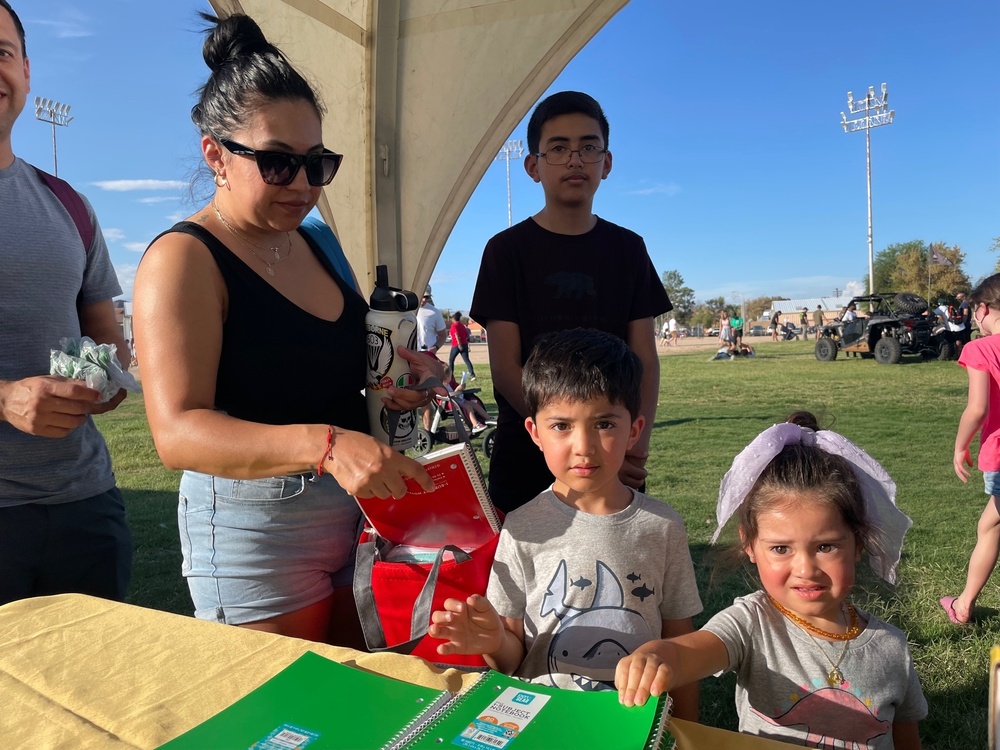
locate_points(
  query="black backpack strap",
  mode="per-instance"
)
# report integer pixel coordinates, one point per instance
(74, 205)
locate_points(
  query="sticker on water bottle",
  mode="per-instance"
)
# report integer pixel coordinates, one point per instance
(380, 355)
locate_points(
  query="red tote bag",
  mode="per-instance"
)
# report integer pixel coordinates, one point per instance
(395, 599)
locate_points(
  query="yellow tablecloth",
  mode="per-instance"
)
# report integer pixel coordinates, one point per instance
(80, 672)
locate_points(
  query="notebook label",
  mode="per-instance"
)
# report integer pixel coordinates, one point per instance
(501, 721)
(286, 737)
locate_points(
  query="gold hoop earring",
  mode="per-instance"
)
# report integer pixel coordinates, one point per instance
(219, 180)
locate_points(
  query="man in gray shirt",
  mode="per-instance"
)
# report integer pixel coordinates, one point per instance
(62, 520)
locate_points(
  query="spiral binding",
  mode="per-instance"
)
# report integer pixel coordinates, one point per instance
(479, 483)
(426, 717)
(660, 737)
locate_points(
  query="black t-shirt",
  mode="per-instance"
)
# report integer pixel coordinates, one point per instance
(280, 364)
(544, 282)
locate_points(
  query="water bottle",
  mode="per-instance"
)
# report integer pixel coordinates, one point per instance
(391, 321)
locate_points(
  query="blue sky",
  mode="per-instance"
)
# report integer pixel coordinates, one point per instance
(725, 127)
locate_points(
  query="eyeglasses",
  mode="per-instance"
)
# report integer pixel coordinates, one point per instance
(279, 167)
(559, 155)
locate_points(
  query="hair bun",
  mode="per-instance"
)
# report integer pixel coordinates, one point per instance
(804, 419)
(232, 38)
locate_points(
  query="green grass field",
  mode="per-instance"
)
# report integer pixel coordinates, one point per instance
(903, 415)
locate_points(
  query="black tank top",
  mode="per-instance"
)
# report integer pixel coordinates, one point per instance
(280, 364)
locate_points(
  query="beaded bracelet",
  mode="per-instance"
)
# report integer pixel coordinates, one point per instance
(328, 453)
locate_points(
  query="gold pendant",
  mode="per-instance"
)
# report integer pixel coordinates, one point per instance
(835, 677)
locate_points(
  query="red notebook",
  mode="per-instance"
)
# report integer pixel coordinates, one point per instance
(458, 511)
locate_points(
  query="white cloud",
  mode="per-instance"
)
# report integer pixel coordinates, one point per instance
(128, 185)
(177, 216)
(854, 289)
(160, 199)
(670, 189)
(126, 277)
(135, 247)
(113, 235)
(71, 25)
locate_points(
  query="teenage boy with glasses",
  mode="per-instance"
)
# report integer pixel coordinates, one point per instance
(563, 268)
(62, 519)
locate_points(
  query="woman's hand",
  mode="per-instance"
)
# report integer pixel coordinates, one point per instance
(423, 368)
(367, 467)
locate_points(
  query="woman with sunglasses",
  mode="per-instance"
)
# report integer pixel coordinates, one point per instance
(252, 351)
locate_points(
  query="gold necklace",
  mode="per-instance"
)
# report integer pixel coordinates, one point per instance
(834, 678)
(251, 245)
(850, 635)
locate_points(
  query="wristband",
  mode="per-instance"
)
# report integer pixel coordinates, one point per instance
(327, 453)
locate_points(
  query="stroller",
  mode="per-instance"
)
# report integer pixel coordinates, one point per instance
(444, 429)
(788, 332)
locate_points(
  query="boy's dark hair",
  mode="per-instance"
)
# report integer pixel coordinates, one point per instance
(17, 25)
(564, 103)
(456, 315)
(581, 364)
(247, 72)
(986, 291)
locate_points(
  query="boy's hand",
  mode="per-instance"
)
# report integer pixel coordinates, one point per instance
(961, 459)
(641, 674)
(469, 627)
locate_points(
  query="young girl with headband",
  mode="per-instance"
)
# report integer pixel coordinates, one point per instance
(811, 667)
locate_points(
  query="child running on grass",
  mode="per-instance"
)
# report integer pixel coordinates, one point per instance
(811, 668)
(590, 569)
(981, 358)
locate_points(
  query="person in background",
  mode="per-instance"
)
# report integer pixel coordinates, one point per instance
(583, 391)
(736, 323)
(775, 323)
(562, 268)
(965, 319)
(850, 313)
(804, 323)
(818, 320)
(981, 359)
(672, 327)
(272, 447)
(460, 344)
(432, 331)
(62, 517)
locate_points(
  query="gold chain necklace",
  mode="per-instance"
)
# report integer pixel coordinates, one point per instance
(834, 678)
(850, 635)
(250, 245)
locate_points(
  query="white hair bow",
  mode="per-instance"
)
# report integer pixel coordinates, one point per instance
(888, 522)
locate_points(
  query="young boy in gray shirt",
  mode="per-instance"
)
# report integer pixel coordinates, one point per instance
(590, 569)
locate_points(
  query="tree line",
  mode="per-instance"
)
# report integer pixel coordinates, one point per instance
(933, 270)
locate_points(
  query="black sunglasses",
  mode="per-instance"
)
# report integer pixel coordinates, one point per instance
(280, 167)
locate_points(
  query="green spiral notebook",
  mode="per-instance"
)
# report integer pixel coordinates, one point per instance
(317, 704)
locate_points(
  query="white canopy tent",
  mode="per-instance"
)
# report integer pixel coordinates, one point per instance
(421, 95)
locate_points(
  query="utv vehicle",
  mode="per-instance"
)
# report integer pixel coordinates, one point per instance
(895, 324)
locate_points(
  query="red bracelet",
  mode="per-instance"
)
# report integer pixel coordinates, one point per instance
(329, 451)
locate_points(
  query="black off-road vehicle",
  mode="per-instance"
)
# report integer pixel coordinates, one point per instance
(894, 325)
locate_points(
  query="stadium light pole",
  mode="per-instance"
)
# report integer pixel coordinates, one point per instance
(55, 113)
(510, 150)
(875, 115)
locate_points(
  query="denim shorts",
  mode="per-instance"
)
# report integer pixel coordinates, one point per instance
(991, 479)
(257, 548)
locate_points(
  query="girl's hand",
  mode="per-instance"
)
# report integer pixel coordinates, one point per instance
(367, 467)
(469, 627)
(961, 459)
(642, 674)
